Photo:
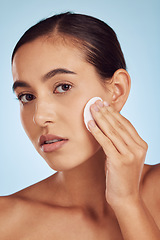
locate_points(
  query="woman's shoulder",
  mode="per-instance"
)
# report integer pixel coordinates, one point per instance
(7, 206)
(150, 182)
(23, 218)
(46, 192)
(151, 178)
(10, 211)
(27, 209)
(38, 192)
(27, 196)
(150, 189)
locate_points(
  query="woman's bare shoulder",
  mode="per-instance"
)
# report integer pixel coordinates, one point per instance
(7, 205)
(151, 182)
(26, 209)
(151, 179)
(38, 192)
(151, 190)
(10, 210)
(29, 196)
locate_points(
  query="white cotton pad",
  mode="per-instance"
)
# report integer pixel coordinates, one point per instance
(87, 113)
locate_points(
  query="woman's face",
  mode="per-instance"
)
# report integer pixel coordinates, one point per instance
(54, 83)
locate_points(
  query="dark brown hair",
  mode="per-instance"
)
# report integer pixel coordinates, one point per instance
(99, 41)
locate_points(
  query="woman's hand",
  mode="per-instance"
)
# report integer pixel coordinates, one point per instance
(125, 153)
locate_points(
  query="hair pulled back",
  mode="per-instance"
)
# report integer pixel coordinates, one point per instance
(102, 48)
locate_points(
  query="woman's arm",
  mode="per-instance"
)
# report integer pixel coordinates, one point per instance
(125, 155)
(136, 221)
(136, 213)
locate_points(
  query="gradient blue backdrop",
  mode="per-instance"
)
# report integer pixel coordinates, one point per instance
(137, 26)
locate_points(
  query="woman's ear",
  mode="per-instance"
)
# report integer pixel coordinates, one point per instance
(121, 84)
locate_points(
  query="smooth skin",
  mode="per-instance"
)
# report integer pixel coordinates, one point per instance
(102, 188)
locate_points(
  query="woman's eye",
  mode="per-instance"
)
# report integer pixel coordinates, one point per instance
(25, 98)
(62, 88)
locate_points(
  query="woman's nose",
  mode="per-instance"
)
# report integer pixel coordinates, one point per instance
(43, 114)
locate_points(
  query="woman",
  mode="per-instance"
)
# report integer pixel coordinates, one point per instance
(102, 189)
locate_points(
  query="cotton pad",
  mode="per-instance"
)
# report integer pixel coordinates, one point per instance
(87, 113)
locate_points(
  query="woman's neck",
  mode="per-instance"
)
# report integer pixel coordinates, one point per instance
(84, 186)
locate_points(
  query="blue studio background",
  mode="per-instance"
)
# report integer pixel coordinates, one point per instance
(137, 26)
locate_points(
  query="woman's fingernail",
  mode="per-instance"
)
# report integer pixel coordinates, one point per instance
(100, 104)
(91, 123)
(95, 108)
(106, 104)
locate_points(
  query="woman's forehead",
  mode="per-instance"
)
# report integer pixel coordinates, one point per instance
(51, 42)
(43, 52)
(40, 57)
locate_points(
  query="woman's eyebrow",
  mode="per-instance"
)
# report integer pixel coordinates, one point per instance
(19, 83)
(47, 76)
(56, 71)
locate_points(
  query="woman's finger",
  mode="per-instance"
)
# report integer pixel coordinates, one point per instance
(104, 141)
(124, 124)
(108, 131)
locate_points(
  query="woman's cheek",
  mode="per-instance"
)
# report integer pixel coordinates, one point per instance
(27, 121)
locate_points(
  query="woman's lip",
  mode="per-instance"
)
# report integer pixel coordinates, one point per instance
(49, 137)
(51, 147)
